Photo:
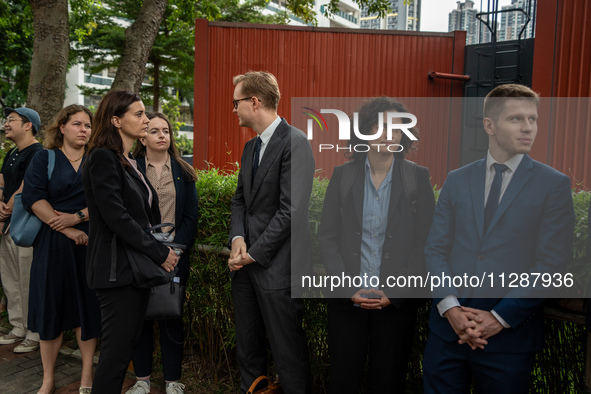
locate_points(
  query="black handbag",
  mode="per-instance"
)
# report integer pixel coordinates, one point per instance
(145, 272)
(166, 301)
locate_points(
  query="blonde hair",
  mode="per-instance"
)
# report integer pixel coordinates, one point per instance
(261, 84)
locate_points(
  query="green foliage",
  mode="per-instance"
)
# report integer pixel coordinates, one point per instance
(559, 367)
(580, 262)
(100, 39)
(16, 47)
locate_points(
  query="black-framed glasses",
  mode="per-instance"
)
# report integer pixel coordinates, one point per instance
(236, 102)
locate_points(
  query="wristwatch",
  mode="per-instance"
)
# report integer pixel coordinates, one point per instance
(81, 215)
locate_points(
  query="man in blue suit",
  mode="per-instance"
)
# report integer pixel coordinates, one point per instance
(505, 213)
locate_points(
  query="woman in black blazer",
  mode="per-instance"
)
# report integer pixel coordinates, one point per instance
(174, 180)
(122, 204)
(371, 228)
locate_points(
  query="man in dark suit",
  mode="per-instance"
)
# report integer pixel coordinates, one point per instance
(269, 221)
(505, 213)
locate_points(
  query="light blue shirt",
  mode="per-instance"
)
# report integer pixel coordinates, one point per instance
(375, 221)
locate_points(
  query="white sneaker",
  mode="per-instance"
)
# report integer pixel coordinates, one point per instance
(175, 388)
(140, 387)
(26, 346)
(10, 338)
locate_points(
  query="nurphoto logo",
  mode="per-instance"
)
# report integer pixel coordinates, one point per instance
(394, 121)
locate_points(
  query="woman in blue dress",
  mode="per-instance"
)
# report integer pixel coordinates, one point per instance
(59, 298)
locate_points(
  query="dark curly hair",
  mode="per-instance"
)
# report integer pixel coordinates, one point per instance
(368, 118)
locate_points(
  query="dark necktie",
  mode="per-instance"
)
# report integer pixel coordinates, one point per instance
(493, 196)
(257, 155)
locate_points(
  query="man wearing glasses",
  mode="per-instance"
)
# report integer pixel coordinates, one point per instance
(269, 221)
(21, 125)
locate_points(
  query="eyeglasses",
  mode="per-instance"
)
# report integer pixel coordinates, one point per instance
(9, 120)
(236, 102)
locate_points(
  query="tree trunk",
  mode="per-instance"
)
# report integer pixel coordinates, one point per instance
(51, 46)
(139, 39)
(156, 88)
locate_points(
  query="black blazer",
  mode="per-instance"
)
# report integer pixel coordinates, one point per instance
(118, 210)
(186, 213)
(271, 211)
(406, 233)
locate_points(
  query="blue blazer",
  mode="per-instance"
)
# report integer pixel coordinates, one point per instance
(186, 213)
(531, 231)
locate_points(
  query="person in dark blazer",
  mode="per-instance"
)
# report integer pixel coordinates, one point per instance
(269, 222)
(373, 230)
(174, 181)
(122, 205)
(504, 213)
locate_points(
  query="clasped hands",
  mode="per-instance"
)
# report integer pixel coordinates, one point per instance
(473, 326)
(63, 220)
(171, 260)
(371, 299)
(238, 255)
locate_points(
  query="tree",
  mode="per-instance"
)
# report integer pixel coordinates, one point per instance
(49, 64)
(16, 47)
(170, 64)
(51, 44)
(139, 38)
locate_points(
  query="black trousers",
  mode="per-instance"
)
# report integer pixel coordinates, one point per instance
(171, 347)
(385, 335)
(122, 315)
(258, 311)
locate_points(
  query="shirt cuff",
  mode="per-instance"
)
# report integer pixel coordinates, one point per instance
(447, 303)
(236, 237)
(500, 319)
(250, 256)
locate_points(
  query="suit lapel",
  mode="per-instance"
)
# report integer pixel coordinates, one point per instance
(138, 184)
(271, 151)
(520, 178)
(396, 188)
(477, 182)
(177, 176)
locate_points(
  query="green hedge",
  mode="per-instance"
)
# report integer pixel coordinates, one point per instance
(559, 367)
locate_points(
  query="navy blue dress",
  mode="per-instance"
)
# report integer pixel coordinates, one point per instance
(59, 298)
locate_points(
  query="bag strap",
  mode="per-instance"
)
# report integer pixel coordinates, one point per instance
(410, 182)
(255, 383)
(348, 176)
(157, 226)
(50, 163)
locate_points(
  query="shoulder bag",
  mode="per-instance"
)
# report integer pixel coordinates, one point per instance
(25, 226)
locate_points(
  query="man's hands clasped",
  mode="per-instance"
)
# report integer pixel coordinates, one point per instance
(473, 326)
(238, 256)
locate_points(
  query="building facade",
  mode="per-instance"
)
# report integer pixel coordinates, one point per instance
(464, 17)
(516, 16)
(400, 17)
